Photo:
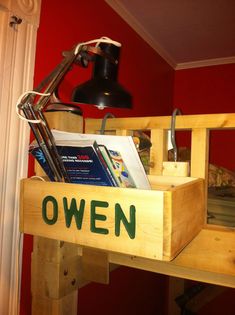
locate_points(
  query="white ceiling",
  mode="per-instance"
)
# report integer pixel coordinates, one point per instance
(186, 33)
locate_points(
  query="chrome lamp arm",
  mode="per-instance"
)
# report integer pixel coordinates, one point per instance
(32, 107)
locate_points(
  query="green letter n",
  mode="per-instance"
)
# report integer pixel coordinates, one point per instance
(73, 211)
(120, 216)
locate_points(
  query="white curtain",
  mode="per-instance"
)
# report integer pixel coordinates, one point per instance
(17, 53)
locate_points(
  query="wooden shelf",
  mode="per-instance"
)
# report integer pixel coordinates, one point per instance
(210, 257)
(209, 254)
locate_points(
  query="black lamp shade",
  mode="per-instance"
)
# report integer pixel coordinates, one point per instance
(103, 89)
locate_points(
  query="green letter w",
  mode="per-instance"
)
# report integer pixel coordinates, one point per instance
(73, 211)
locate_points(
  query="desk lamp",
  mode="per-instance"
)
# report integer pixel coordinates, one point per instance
(102, 91)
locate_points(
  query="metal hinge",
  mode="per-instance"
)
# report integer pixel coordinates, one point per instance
(15, 21)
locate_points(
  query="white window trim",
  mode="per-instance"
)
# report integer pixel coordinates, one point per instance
(17, 56)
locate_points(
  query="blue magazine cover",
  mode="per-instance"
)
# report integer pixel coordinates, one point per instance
(83, 163)
(129, 164)
(36, 151)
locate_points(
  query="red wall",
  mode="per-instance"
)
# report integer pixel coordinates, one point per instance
(150, 81)
(147, 76)
(204, 91)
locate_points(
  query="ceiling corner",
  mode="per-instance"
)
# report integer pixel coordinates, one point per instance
(140, 30)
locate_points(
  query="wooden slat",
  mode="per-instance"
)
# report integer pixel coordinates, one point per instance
(190, 263)
(209, 121)
(175, 169)
(199, 158)
(47, 306)
(55, 280)
(95, 265)
(124, 132)
(65, 121)
(184, 218)
(211, 250)
(53, 251)
(158, 151)
(175, 289)
(168, 180)
(199, 153)
(208, 258)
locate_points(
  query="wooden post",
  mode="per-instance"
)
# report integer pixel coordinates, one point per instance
(95, 265)
(56, 266)
(157, 156)
(175, 289)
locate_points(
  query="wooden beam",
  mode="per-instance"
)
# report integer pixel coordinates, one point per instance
(95, 265)
(158, 140)
(183, 122)
(208, 258)
(175, 289)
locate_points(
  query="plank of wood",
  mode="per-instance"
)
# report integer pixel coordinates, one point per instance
(95, 265)
(65, 121)
(175, 289)
(158, 151)
(211, 250)
(46, 306)
(183, 122)
(53, 251)
(55, 280)
(175, 169)
(123, 132)
(183, 218)
(209, 257)
(199, 153)
(172, 181)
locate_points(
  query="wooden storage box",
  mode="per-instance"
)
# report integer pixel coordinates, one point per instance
(167, 218)
(154, 224)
